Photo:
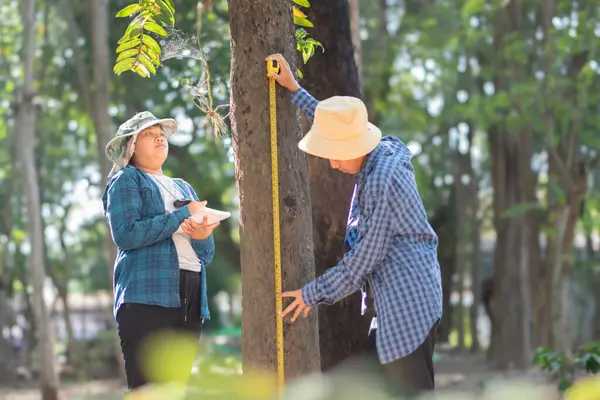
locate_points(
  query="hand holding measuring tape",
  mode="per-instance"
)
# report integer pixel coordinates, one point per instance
(285, 77)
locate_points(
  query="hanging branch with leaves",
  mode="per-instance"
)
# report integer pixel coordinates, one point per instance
(139, 52)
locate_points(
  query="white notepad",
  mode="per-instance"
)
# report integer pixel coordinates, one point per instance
(214, 216)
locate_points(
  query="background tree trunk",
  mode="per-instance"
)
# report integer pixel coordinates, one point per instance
(97, 99)
(100, 99)
(475, 256)
(26, 136)
(444, 224)
(342, 328)
(461, 192)
(6, 224)
(510, 303)
(272, 32)
(354, 16)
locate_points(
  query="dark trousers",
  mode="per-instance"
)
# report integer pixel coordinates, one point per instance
(152, 335)
(410, 375)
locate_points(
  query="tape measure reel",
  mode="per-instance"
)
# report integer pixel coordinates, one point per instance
(273, 66)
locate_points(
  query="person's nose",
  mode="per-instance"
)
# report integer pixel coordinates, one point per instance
(160, 139)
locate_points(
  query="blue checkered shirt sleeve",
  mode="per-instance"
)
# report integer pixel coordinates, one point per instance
(128, 229)
(371, 247)
(306, 102)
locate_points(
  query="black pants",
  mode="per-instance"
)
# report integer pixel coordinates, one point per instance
(411, 375)
(141, 328)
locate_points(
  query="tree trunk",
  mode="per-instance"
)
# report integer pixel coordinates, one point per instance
(552, 289)
(26, 137)
(6, 222)
(272, 32)
(475, 265)
(354, 13)
(444, 225)
(100, 101)
(461, 192)
(379, 54)
(517, 253)
(5, 281)
(510, 303)
(342, 328)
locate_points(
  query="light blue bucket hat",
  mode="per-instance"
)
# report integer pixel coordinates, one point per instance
(120, 150)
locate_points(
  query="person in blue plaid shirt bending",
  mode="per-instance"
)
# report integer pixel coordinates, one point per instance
(389, 243)
(160, 269)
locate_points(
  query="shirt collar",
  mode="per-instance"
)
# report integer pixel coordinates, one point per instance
(370, 161)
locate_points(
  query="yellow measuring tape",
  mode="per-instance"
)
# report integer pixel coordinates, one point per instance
(273, 66)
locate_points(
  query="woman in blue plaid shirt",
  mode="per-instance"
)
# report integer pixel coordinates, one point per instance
(160, 268)
(389, 242)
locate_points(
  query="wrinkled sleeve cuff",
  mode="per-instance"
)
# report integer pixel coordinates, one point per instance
(203, 244)
(297, 96)
(309, 294)
(182, 214)
(312, 296)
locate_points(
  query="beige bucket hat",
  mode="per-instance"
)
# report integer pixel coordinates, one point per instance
(341, 130)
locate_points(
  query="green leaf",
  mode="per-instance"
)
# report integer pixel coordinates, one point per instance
(129, 44)
(129, 34)
(302, 3)
(170, 4)
(155, 28)
(147, 63)
(166, 5)
(141, 70)
(152, 54)
(152, 44)
(123, 65)
(164, 21)
(302, 22)
(521, 209)
(127, 54)
(127, 11)
(301, 33)
(300, 75)
(166, 9)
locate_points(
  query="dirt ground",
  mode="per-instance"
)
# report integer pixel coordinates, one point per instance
(458, 376)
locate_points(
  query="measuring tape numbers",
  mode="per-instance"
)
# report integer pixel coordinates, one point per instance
(273, 66)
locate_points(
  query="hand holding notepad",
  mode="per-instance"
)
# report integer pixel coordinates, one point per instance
(213, 215)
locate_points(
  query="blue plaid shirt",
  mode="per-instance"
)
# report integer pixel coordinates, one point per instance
(390, 245)
(146, 267)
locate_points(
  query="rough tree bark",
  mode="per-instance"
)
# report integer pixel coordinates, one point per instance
(342, 328)
(26, 145)
(259, 28)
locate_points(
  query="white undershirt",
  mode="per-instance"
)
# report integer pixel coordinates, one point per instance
(186, 255)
